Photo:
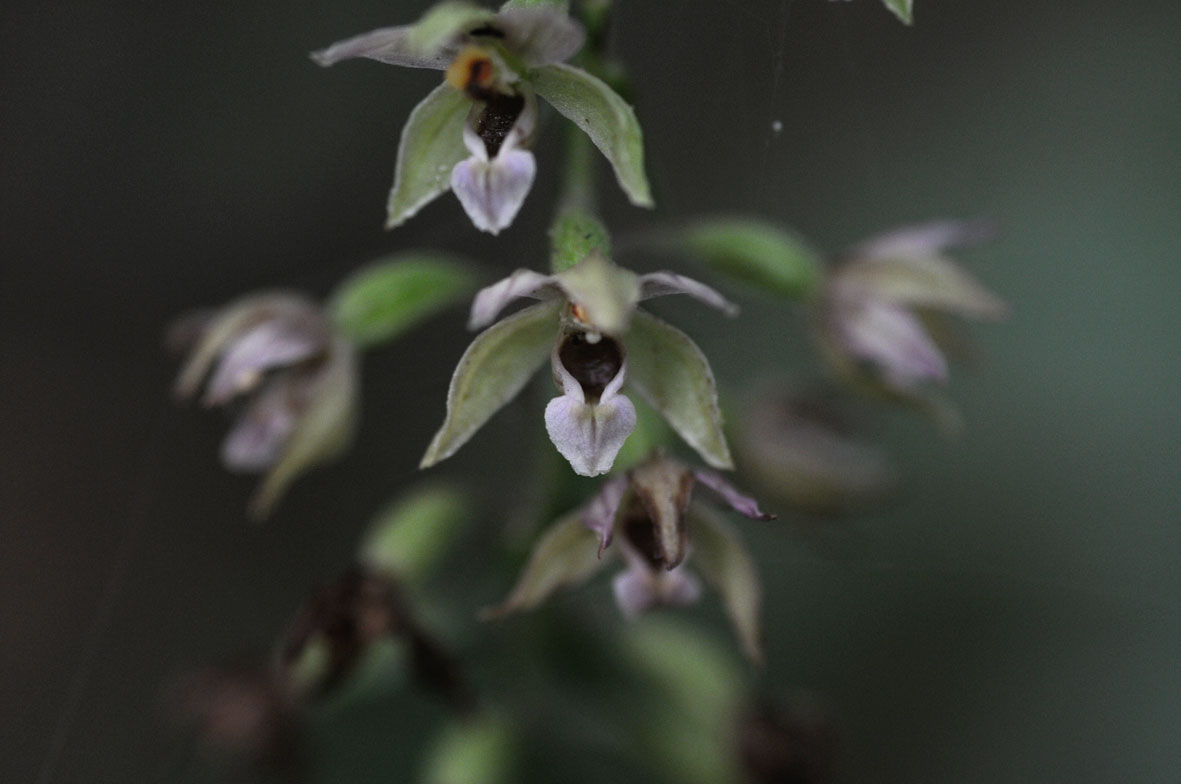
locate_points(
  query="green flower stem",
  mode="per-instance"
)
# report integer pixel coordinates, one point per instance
(576, 232)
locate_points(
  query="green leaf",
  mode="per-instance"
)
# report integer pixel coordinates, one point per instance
(574, 236)
(672, 374)
(472, 750)
(722, 559)
(384, 299)
(446, 20)
(755, 252)
(605, 117)
(431, 145)
(324, 429)
(491, 372)
(561, 5)
(566, 554)
(903, 9)
(409, 537)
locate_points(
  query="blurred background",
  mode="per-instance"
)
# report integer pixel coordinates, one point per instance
(1013, 616)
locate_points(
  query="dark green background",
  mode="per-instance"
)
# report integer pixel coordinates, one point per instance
(1014, 618)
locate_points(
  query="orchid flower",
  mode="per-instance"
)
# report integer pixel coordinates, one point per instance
(875, 305)
(650, 507)
(277, 352)
(596, 339)
(472, 133)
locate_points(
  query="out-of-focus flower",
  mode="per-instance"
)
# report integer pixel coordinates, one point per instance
(870, 319)
(276, 359)
(781, 747)
(800, 445)
(471, 134)
(650, 508)
(240, 711)
(343, 621)
(589, 326)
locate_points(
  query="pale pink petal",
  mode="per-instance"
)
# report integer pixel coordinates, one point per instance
(894, 341)
(271, 344)
(389, 45)
(260, 433)
(589, 435)
(489, 301)
(492, 192)
(925, 239)
(738, 501)
(599, 514)
(659, 284)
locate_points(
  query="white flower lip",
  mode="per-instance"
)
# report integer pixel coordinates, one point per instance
(587, 429)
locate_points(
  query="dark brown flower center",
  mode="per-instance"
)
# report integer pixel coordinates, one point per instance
(497, 120)
(593, 365)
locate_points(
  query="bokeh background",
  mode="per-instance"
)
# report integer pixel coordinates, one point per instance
(1013, 617)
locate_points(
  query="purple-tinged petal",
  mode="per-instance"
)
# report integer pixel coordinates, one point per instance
(659, 284)
(390, 45)
(260, 433)
(638, 589)
(924, 239)
(589, 435)
(599, 514)
(893, 340)
(490, 300)
(492, 192)
(738, 501)
(269, 345)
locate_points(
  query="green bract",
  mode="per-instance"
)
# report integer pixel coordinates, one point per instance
(384, 299)
(755, 252)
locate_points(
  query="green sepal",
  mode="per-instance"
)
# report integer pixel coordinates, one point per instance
(446, 20)
(605, 117)
(903, 9)
(575, 235)
(607, 292)
(755, 252)
(560, 5)
(668, 369)
(724, 562)
(384, 299)
(325, 429)
(409, 537)
(491, 372)
(431, 145)
(566, 554)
